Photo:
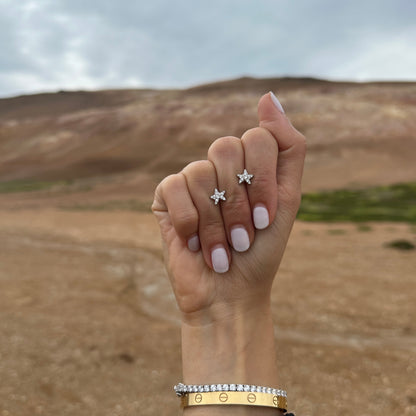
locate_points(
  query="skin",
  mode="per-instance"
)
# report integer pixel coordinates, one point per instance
(226, 318)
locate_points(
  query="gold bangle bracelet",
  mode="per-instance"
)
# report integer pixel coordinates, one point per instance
(234, 397)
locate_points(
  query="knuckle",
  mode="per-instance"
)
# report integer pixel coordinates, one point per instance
(186, 221)
(298, 141)
(301, 137)
(165, 184)
(198, 167)
(224, 147)
(257, 134)
(259, 138)
(301, 141)
(199, 170)
(169, 181)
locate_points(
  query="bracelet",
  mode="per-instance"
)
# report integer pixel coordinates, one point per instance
(181, 389)
(231, 394)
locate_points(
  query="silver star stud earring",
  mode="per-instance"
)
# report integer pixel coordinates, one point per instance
(217, 196)
(245, 177)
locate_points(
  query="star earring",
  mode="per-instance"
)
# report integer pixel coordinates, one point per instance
(245, 177)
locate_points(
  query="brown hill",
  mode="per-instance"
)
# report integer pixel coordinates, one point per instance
(118, 144)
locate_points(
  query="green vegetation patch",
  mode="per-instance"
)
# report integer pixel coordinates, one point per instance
(336, 231)
(114, 205)
(364, 228)
(31, 185)
(381, 203)
(401, 245)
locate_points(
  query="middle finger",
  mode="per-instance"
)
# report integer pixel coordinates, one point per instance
(227, 154)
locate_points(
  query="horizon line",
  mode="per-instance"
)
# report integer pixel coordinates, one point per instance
(211, 82)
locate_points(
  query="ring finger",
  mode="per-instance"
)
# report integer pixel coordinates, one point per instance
(201, 179)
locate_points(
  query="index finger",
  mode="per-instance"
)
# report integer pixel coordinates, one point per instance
(260, 154)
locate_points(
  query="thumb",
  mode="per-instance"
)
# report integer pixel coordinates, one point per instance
(291, 143)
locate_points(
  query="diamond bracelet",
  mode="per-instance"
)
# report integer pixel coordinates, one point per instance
(182, 389)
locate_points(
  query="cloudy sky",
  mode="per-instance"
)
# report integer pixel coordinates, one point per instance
(48, 45)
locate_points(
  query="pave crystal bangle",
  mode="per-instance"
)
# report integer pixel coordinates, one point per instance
(231, 394)
(182, 389)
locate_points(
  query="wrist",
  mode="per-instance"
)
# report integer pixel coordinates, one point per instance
(234, 346)
(220, 312)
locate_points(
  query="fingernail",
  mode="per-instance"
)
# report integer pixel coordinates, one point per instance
(240, 239)
(260, 217)
(193, 243)
(219, 260)
(276, 102)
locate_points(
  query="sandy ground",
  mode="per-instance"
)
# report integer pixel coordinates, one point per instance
(88, 324)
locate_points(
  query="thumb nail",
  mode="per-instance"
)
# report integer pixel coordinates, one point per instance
(276, 102)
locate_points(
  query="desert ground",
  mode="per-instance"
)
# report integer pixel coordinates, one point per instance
(88, 322)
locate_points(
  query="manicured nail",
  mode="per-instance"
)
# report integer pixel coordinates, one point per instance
(193, 243)
(219, 260)
(240, 239)
(260, 217)
(276, 102)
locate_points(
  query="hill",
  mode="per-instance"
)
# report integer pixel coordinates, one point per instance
(117, 144)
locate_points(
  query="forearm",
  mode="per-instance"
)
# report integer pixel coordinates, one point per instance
(238, 348)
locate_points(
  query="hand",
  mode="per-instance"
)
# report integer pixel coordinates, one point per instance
(198, 235)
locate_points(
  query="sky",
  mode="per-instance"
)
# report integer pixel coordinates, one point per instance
(51, 45)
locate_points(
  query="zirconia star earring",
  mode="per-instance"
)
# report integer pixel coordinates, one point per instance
(218, 195)
(245, 177)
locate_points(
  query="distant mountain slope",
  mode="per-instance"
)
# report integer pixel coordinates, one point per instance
(358, 134)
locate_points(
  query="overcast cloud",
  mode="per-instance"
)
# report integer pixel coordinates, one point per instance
(48, 45)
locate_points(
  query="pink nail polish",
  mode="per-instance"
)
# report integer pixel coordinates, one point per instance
(193, 243)
(260, 217)
(219, 260)
(240, 239)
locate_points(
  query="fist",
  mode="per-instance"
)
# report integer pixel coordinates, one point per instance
(225, 221)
